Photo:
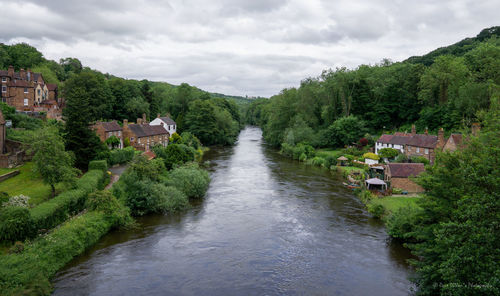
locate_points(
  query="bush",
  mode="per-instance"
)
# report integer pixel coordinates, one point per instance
(18, 201)
(175, 154)
(370, 155)
(191, 180)
(176, 199)
(15, 224)
(377, 210)
(388, 152)
(419, 159)
(121, 156)
(330, 161)
(401, 158)
(98, 165)
(105, 202)
(318, 161)
(402, 223)
(28, 273)
(190, 140)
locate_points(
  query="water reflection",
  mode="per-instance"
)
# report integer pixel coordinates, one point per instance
(268, 225)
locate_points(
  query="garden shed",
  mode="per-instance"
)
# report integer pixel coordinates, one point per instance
(375, 184)
(342, 161)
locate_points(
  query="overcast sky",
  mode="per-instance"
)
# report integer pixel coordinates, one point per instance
(238, 47)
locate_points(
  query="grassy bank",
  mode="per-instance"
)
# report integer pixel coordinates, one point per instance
(28, 183)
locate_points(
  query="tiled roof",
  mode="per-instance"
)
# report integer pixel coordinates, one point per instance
(405, 170)
(457, 138)
(20, 83)
(149, 154)
(146, 130)
(385, 139)
(167, 120)
(110, 126)
(425, 141)
(52, 86)
(401, 134)
(4, 73)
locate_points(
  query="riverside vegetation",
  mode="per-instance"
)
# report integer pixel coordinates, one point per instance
(453, 228)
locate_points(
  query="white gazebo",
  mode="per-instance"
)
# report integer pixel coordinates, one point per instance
(374, 183)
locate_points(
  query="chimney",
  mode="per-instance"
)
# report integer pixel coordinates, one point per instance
(125, 123)
(11, 71)
(413, 130)
(139, 120)
(144, 120)
(158, 116)
(22, 73)
(440, 141)
(426, 131)
(476, 127)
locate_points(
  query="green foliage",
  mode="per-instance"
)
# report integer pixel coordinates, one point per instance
(121, 156)
(50, 160)
(176, 199)
(15, 224)
(113, 141)
(401, 223)
(345, 131)
(105, 202)
(191, 180)
(295, 152)
(28, 272)
(174, 154)
(318, 161)
(388, 152)
(371, 155)
(401, 158)
(175, 139)
(419, 159)
(377, 210)
(98, 165)
(190, 140)
(330, 161)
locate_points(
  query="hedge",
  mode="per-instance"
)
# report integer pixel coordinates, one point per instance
(58, 209)
(28, 272)
(98, 165)
(121, 156)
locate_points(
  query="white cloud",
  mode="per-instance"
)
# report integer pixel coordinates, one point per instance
(237, 46)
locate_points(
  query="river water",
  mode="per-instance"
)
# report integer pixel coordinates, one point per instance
(267, 226)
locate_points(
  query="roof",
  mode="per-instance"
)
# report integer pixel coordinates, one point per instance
(375, 181)
(385, 139)
(110, 126)
(20, 83)
(457, 138)
(401, 134)
(51, 86)
(422, 140)
(405, 170)
(149, 154)
(342, 158)
(167, 120)
(146, 130)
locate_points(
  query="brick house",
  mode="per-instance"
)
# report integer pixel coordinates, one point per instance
(105, 130)
(398, 174)
(25, 90)
(143, 136)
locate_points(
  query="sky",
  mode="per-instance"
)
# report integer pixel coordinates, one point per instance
(237, 47)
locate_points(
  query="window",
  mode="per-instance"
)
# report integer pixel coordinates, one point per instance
(139, 140)
(418, 149)
(4, 79)
(25, 90)
(38, 92)
(426, 151)
(25, 102)
(132, 139)
(4, 88)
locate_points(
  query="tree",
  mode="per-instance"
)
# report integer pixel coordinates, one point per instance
(345, 131)
(50, 160)
(388, 152)
(78, 136)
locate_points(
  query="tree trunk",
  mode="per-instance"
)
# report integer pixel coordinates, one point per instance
(53, 190)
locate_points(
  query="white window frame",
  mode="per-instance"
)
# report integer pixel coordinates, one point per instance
(4, 88)
(26, 90)
(26, 102)
(4, 79)
(418, 149)
(426, 150)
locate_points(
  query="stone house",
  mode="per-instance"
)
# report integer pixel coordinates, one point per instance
(105, 130)
(167, 123)
(453, 143)
(143, 136)
(398, 174)
(22, 90)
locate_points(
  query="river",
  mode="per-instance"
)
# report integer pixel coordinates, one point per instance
(267, 226)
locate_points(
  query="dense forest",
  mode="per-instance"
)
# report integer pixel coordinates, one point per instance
(213, 118)
(445, 88)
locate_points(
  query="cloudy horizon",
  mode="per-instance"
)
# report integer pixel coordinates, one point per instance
(253, 48)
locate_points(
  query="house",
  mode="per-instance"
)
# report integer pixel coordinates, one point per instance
(2, 133)
(167, 122)
(11, 152)
(453, 143)
(144, 136)
(24, 89)
(413, 144)
(53, 91)
(105, 130)
(398, 174)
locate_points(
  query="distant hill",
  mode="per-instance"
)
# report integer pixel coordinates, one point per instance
(458, 49)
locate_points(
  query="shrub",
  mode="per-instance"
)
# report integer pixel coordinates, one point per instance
(18, 201)
(370, 155)
(401, 158)
(388, 152)
(4, 197)
(175, 154)
(121, 156)
(365, 196)
(397, 190)
(17, 248)
(330, 161)
(105, 202)
(419, 159)
(15, 224)
(191, 180)
(176, 199)
(98, 165)
(175, 139)
(190, 140)
(287, 150)
(143, 196)
(318, 161)
(402, 223)
(377, 210)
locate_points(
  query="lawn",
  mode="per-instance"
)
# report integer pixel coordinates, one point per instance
(30, 184)
(329, 152)
(393, 203)
(5, 171)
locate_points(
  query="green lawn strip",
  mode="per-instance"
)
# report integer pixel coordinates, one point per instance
(30, 272)
(393, 203)
(29, 184)
(336, 153)
(5, 170)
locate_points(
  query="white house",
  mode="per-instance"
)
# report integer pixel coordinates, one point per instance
(396, 141)
(167, 123)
